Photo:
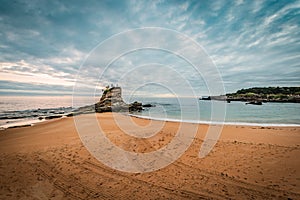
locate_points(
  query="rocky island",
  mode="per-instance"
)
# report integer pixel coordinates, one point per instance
(112, 101)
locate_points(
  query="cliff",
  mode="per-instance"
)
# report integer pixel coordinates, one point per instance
(111, 101)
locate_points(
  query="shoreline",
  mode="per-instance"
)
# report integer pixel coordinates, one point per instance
(250, 124)
(34, 122)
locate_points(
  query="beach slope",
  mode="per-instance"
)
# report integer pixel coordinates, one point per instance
(49, 161)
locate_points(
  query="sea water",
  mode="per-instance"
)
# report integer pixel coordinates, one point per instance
(19, 110)
(219, 112)
(24, 110)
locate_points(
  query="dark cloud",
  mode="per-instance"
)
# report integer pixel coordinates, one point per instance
(14, 88)
(250, 41)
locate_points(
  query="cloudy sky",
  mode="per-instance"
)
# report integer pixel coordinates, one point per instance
(46, 45)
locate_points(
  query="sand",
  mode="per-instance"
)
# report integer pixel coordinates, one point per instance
(49, 161)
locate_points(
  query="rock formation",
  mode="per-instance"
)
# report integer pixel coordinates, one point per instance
(111, 101)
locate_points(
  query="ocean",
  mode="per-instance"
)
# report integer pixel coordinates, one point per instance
(199, 111)
(22, 110)
(26, 110)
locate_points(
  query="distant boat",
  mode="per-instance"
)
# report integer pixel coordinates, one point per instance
(216, 98)
(205, 98)
(254, 103)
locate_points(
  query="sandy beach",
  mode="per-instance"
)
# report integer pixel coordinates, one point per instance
(49, 161)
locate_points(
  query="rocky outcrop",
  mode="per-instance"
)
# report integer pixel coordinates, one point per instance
(111, 101)
(254, 103)
(148, 105)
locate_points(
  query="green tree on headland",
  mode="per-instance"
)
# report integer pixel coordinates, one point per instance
(267, 94)
(270, 90)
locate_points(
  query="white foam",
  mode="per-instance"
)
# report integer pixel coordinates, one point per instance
(216, 123)
(21, 123)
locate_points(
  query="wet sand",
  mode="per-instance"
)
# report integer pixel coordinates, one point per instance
(49, 161)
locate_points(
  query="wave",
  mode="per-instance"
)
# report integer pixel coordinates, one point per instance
(217, 123)
(34, 113)
(21, 123)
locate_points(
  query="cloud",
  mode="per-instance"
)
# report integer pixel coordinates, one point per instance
(15, 88)
(253, 43)
(281, 13)
(28, 73)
